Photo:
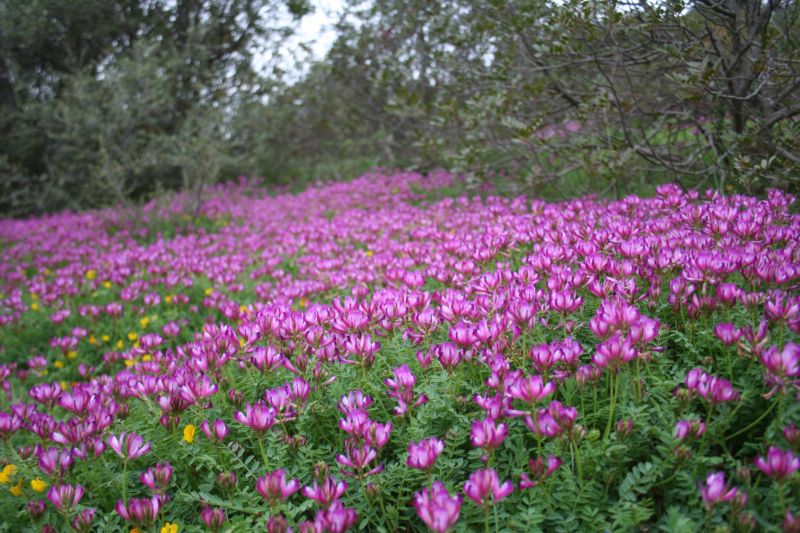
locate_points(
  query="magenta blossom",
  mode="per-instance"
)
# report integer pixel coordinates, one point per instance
(335, 519)
(692, 429)
(216, 431)
(437, 508)
(531, 389)
(715, 490)
(487, 433)
(329, 491)
(157, 479)
(140, 511)
(484, 487)
(782, 366)
(778, 463)
(355, 462)
(55, 462)
(65, 497)
(259, 417)
(213, 518)
(82, 523)
(275, 488)
(423, 454)
(128, 445)
(539, 470)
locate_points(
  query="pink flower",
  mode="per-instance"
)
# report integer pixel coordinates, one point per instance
(140, 511)
(422, 455)
(377, 434)
(46, 393)
(53, 462)
(484, 487)
(552, 421)
(437, 508)
(778, 463)
(336, 518)
(82, 523)
(356, 460)
(65, 497)
(712, 388)
(402, 389)
(213, 518)
(274, 487)
(128, 445)
(539, 471)
(487, 434)
(715, 490)
(727, 333)
(157, 479)
(259, 417)
(693, 429)
(330, 490)
(355, 400)
(216, 431)
(614, 351)
(531, 389)
(782, 366)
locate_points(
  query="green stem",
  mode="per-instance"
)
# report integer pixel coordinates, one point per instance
(753, 424)
(577, 453)
(486, 519)
(614, 390)
(638, 379)
(125, 482)
(497, 521)
(261, 449)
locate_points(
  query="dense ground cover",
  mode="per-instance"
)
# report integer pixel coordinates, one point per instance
(363, 356)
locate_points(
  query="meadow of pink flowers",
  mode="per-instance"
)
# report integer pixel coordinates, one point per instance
(363, 355)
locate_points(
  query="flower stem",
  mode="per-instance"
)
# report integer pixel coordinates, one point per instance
(614, 391)
(261, 449)
(753, 424)
(125, 482)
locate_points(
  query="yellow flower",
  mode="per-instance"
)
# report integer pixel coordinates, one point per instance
(92, 339)
(144, 321)
(105, 338)
(64, 385)
(106, 284)
(132, 336)
(91, 274)
(34, 306)
(369, 253)
(169, 528)
(7, 473)
(303, 302)
(16, 490)
(168, 298)
(147, 357)
(129, 362)
(58, 364)
(188, 433)
(38, 485)
(120, 344)
(209, 291)
(72, 354)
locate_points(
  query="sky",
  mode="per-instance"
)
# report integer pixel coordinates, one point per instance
(315, 30)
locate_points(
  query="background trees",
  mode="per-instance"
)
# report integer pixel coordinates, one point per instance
(553, 99)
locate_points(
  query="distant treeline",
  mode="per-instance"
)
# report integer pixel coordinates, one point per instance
(108, 101)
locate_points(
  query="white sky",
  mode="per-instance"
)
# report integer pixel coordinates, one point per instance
(315, 30)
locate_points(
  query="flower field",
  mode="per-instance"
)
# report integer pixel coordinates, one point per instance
(377, 356)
